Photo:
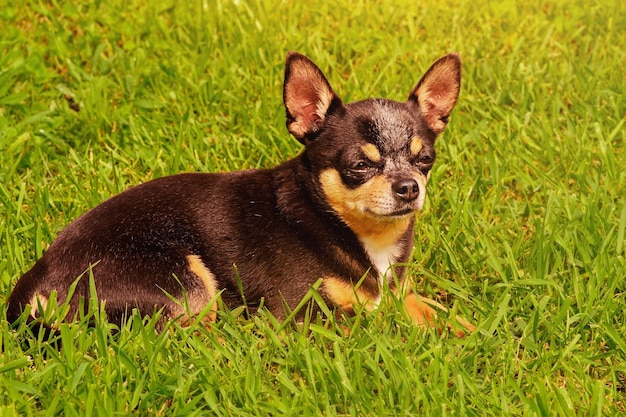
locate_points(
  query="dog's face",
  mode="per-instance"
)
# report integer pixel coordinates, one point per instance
(373, 157)
(380, 163)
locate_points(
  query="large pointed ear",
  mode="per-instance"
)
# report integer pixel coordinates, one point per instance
(307, 95)
(436, 93)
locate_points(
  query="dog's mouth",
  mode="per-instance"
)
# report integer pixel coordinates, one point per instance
(393, 215)
(403, 212)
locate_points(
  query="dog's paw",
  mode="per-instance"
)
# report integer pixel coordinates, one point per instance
(423, 312)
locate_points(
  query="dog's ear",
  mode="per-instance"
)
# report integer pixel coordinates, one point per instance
(307, 95)
(436, 93)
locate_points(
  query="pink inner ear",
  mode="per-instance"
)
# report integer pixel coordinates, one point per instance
(435, 112)
(437, 100)
(305, 102)
(436, 93)
(307, 113)
(434, 107)
(442, 91)
(307, 96)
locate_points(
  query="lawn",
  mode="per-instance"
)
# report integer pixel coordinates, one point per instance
(523, 231)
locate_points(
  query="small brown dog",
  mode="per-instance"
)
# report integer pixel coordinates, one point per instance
(342, 211)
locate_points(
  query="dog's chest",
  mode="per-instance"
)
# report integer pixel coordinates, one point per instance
(382, 255)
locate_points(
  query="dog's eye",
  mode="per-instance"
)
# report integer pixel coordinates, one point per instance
(361, 166)
(426, 159)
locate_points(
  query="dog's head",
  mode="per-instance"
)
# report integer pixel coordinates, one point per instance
(371, 158)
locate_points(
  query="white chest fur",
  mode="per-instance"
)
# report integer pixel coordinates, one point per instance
(382, 256)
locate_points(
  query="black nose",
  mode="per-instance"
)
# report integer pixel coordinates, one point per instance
(406, 189)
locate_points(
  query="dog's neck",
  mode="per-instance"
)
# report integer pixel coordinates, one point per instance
(387, 246)
(381, 243)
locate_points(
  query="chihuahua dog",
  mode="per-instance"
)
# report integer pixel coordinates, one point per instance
(342, 211)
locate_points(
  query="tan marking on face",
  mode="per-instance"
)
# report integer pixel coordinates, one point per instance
(380, 235)
(359, 208)
(371, 151)
(198, 299)
(344, 295)
(416, 145)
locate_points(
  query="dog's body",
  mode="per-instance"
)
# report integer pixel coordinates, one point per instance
(341, 211)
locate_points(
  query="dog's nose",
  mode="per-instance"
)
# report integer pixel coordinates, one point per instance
(406, 189)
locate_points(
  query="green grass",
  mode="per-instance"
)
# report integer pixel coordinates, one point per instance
(523, 231)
